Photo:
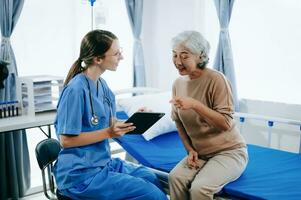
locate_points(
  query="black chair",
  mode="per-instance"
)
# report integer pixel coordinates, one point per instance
(47, 152)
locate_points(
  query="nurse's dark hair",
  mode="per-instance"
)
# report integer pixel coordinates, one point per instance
(95, 44)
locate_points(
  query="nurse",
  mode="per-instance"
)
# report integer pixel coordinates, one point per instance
(85, 122)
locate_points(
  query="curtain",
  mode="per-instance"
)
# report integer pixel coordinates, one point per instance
(14, 155)
(224, 59)
(135, 10)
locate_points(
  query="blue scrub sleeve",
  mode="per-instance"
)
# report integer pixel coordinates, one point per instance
(70, 112)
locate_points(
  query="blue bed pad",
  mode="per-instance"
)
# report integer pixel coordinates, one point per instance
(161, 153)
(270, 174)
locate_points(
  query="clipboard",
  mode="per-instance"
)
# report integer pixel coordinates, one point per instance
(143, 121)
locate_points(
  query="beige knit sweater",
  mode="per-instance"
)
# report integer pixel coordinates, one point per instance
(214, 91)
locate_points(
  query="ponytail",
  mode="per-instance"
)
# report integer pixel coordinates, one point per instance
(75, 69)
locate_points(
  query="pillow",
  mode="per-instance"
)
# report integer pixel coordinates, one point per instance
(158, 102)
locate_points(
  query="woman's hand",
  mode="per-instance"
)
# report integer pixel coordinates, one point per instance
(192, 159)
(118, 129)
(184, 103)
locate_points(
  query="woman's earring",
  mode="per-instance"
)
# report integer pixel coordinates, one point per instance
(203, 61)
(201, 65)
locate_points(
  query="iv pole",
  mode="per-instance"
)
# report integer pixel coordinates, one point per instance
(92, 14)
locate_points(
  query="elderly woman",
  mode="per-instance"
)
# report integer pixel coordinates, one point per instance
(202, 108)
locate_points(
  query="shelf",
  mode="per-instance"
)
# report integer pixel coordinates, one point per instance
(39, 93)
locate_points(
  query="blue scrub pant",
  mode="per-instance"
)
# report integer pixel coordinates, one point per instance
(118, 180)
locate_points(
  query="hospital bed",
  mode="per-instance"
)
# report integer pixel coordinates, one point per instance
(270, 173)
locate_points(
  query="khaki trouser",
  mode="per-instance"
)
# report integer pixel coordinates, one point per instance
(201, 184)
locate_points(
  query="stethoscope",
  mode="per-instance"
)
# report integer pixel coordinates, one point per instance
(94, 118)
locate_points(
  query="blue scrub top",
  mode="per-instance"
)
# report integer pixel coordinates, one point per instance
(74, 165)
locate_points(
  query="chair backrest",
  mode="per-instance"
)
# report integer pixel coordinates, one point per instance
(47, 152)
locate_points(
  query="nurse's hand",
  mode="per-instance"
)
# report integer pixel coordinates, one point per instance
(144, 109)
(118, 129)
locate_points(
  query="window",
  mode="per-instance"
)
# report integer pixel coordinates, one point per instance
(48, 35)
(266, 45)
(265, 38)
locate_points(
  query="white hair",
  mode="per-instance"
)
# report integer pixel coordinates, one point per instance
(192, 41)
